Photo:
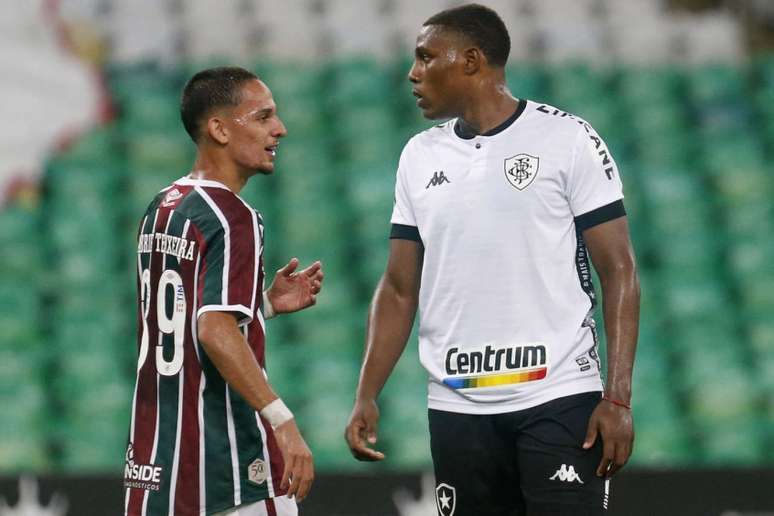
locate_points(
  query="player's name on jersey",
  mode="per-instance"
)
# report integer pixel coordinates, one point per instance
(181, 248)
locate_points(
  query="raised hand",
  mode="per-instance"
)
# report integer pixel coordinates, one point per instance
(294, 290)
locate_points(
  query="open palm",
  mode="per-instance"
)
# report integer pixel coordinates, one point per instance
(294, 290)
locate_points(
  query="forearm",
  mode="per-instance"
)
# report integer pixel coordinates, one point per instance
(230, 353)
(390, 319)
(621, 306)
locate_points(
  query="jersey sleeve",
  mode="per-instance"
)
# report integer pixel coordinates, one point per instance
(230, 264)
(593, 181)
(404, 224)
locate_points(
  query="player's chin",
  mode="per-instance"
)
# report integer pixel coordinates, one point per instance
(432, 113)
(264, 168)
(427, 110)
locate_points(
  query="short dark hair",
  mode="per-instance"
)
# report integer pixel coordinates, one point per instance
(481, 25)
(209, 89)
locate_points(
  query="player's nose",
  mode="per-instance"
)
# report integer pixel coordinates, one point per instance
(413, 75)
(281, 130)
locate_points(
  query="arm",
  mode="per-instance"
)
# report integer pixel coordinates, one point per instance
(389, 325)
(613, 258)
(230, 353)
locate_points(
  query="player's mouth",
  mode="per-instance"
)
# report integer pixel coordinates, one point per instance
(272, 150)
(421, 102)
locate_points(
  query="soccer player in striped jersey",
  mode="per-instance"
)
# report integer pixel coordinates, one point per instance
(208, 434)
(496, 213)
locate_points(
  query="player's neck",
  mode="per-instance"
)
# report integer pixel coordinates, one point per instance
(488, 108)
(211, 168)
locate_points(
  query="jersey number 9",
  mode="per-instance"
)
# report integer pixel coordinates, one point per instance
(170, 283)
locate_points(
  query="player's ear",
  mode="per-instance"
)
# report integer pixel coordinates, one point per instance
(217, 130)
(474, 60)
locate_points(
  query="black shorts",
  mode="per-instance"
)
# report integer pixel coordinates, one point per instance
(525, 463)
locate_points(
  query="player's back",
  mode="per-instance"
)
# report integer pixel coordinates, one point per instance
(193, 440)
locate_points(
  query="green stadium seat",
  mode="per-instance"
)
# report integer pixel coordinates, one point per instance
(734, 443)
(19, 309)
(160, 151)
(322, 423)
(650, 86)
(19, 252)
(715, 84)
(357, 82)
(527, 80)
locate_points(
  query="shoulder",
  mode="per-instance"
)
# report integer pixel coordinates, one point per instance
(214, 208)
(157, 200)
(424, 140)
(559, 122)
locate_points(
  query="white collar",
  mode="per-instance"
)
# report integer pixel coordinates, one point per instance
(188, 181)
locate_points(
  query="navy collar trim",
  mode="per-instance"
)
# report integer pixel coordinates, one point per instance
(466, 133)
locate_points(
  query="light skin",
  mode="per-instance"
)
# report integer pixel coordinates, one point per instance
(235, 143)
(452, 78)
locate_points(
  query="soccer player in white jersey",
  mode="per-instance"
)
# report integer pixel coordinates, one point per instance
(496, 213)
(208, 434)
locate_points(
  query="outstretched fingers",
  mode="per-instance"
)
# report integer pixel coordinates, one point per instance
(314, 271)
(290, 268)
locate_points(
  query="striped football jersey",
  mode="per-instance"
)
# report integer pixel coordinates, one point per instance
(195, 446)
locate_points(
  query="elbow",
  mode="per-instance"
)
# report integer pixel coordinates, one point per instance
(400, 293)
(204, 334)
(622, 272)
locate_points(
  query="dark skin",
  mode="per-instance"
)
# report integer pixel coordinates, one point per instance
(234, 144)
(452, 78)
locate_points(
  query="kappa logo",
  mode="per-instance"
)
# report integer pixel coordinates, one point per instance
(257, 472)
(566, 474)
(521, 169)
(437, 179)
(171, 197)
(446, 499)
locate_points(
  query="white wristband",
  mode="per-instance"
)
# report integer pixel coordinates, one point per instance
(268, 310)
(276, 413)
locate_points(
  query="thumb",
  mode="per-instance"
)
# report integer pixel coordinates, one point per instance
(288, 269)
(591, 434)
(370, 431)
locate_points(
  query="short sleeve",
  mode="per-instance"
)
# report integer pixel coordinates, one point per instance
(402, 211)
(230, 265)
(593, 180)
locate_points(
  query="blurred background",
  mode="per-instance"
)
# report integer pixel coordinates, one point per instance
(682, 91)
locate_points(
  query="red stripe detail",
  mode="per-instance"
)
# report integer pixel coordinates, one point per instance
(257, 341)
(276, 463)
(145, 414)
(201, 244)
(257, 337)
(271, 510)
(241, 269)
(187, 490)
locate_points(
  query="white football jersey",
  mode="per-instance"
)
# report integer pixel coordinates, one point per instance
(506, 301)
